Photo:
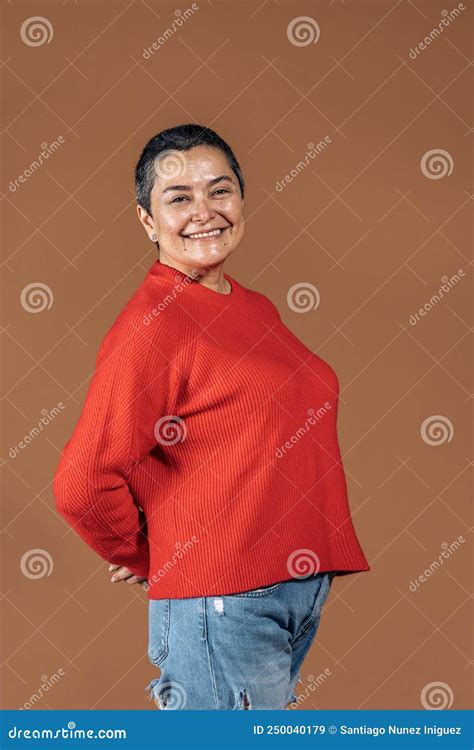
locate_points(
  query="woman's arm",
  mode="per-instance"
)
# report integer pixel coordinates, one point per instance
(134, 384)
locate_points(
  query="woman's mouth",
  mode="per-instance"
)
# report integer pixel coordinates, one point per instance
(206, 235)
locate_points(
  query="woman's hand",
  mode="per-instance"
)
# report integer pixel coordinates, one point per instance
(121, 573)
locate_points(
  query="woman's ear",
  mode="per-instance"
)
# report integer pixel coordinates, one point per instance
(147, 222)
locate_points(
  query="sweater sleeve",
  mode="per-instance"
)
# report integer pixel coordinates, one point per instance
(133, 386)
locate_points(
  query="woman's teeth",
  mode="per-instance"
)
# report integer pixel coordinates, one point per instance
(214, 233)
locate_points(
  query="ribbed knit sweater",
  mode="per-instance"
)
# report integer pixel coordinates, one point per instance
(206, 455)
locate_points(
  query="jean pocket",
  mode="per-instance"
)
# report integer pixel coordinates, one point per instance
(322, 592)
(261, 591)
(158, 630)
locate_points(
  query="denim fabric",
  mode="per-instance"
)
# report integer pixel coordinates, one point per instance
(238, 651)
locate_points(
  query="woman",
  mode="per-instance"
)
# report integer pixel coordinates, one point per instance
(206, 460)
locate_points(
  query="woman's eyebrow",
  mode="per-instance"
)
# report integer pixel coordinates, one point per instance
(188, 187)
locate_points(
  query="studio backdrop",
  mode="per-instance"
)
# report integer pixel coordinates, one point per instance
(352, 124)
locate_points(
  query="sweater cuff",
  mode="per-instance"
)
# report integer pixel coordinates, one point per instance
(142, 568)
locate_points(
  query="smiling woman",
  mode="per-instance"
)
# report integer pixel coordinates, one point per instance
(174, 473)
(190, 192)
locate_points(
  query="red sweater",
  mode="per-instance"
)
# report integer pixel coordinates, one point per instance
(206, 455)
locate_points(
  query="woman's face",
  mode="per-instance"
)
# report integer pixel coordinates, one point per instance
(195, 192)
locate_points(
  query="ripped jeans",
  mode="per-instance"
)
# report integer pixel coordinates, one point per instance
(237, 651)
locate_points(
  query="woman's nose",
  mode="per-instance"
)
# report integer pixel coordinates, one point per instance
(201, 209)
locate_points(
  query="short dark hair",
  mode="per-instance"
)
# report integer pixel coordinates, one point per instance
(179, 138)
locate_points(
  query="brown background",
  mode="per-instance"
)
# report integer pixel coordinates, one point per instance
(362, 223)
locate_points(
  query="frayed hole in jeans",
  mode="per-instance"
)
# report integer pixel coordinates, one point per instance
(242, 701)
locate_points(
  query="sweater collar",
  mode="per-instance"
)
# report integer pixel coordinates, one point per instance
(184, 282)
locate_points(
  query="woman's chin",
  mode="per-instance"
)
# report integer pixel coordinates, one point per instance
(208, 256)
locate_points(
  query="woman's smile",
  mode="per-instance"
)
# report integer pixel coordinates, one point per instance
(210, 234)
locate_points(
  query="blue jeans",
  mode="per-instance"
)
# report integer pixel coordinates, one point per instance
(238, 651)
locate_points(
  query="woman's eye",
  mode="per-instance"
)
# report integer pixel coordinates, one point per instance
(180, 198)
